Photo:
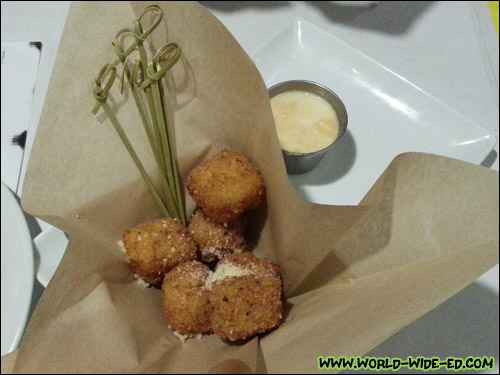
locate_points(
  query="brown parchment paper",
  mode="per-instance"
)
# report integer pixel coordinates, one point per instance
(353, 275)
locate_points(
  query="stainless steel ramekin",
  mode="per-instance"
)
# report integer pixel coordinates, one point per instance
(304, 162)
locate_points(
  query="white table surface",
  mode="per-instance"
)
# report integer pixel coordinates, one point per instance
(448, 49)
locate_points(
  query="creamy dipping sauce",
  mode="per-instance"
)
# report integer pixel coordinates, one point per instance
(305, 122)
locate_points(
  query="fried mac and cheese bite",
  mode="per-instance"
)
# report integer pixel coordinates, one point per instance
(245, 294)
(185, 299)
(216, 240)
(155, 247)
(226, 185)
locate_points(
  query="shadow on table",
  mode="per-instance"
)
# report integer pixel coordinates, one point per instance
(334, 165)
(490, 159)
(233, 6)
(391, 17)
(465, 325)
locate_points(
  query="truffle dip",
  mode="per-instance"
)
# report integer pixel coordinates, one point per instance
(304, 121)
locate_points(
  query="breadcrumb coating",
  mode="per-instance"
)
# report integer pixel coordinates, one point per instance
(185, 299)
(243, 296)
(215, 240)
(155, 247)
(225, 186)
(246, 297)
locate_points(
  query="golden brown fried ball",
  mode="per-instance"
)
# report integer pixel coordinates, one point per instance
(215, 240)
(185, 299)
(245, 293)
(155, 247)
(226, 185)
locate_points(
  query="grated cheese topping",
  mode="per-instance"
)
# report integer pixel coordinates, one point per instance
(225, 271)
(184, 338)
(141, 281)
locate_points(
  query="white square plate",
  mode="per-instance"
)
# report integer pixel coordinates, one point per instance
(387, 114)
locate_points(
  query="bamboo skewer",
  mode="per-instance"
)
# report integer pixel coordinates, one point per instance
(146, 78)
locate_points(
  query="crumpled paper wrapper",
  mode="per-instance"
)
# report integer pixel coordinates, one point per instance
(353, 275)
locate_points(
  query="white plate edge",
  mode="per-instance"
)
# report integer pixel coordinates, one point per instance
(30, 265)
(490, 139)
